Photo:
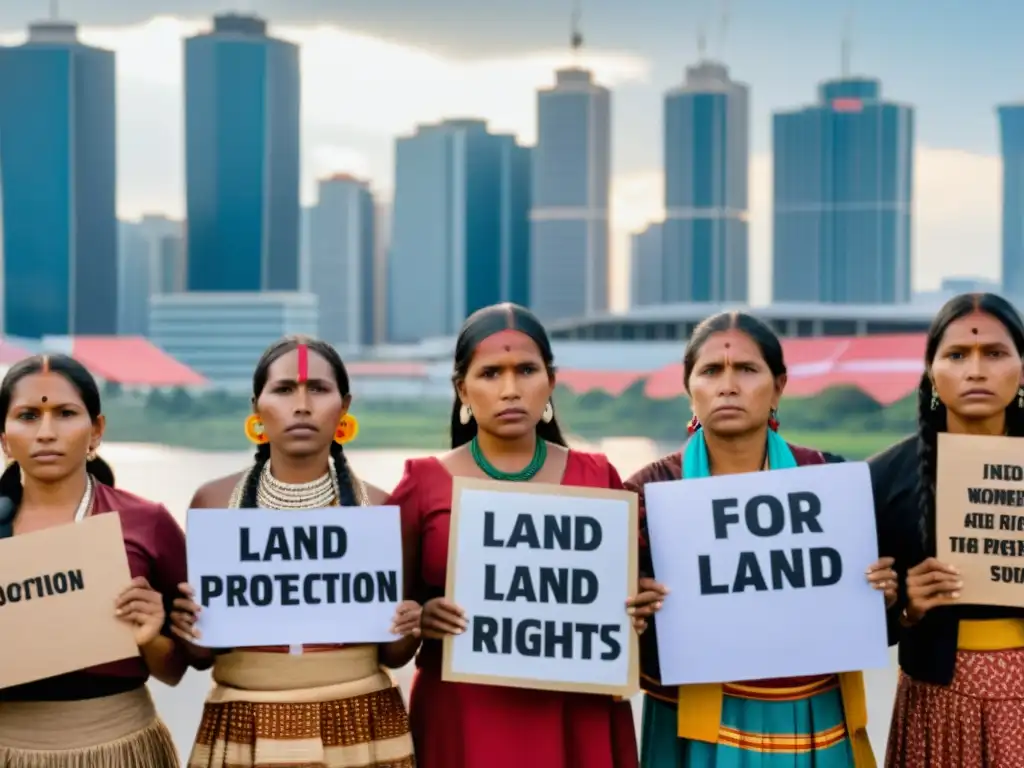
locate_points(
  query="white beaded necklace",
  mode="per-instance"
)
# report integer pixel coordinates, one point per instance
(271, 493)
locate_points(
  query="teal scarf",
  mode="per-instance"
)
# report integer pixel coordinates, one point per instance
(695, 455)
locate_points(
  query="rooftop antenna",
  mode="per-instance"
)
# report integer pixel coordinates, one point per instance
(575, 34)
(723, 25)
(847, 43)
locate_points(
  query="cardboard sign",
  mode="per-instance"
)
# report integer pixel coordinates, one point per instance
(766, 575)
(57, 593)
(296, 577)
(543, 573)
(979, 516)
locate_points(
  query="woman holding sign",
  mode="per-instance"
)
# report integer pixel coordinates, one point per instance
(102, 716)
(503, 428)
(331, 706)
(960, 700)
(734, 373)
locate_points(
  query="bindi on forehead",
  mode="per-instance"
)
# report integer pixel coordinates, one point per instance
(506, 342)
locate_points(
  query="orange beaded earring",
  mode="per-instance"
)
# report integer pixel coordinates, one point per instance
(254, 430)
(348, 429)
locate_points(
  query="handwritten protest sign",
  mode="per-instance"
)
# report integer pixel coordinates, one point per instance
(979, 516)
(57, 592)
(543, 573)
(266, 577)
(766, 575)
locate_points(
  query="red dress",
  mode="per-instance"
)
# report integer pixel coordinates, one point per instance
(461, 725)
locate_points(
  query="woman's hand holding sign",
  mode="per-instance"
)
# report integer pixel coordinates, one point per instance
(442, 617)
(408, 617)
(142, 607)
(184, 614)
(930, 584)
(882, 577)
(646, 603)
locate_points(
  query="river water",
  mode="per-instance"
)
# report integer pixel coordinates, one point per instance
(171, 475)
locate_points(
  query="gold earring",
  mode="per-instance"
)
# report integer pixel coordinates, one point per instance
(1020, 397)
(935, 399)
(465, 414)
(549, 413)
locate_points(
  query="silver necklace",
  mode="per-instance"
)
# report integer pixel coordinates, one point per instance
(86, 502)
(271, 493)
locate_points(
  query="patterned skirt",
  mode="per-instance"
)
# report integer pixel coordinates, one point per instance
(975, 722)
(120, 731)
(802, 731)
(338, 711)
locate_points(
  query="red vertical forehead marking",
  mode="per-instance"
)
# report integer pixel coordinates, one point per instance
(303, 352)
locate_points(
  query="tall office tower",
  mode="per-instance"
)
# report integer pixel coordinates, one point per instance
(569, 233)
(843, 197)
(707, 147)
(149, 262)
(341, 261)
(242, 158)
(58, 170)
(459, 227)
(1011, 134)
(646, 272)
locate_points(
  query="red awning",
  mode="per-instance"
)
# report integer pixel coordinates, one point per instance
(887, 368)
(132, 361)
(613, 382)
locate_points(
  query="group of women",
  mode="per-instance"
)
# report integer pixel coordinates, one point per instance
(960, 700)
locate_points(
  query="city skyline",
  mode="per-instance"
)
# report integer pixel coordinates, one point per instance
(952, 217)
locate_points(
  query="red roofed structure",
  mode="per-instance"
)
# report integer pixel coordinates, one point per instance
(886, 368)
(132, 361)
(11, 353)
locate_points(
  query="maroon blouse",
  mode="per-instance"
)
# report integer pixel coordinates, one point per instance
(155, 544)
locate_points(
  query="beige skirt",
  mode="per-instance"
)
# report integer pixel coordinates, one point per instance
(120, 731)
(333, 709)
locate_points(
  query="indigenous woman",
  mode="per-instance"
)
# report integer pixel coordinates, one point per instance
(327, 705)
(100, 717)
(735, 375)
(503, 427)
(960, 700)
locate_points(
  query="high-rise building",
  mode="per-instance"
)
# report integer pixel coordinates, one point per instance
(58, 170)
(707, 147)
(459, 227)
(843, 197)
(1011, 135)
(242, 158)
(341, 261)
(149, 262)
(569, 231)
(647, 279)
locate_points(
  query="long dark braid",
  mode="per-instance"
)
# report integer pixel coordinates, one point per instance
(929, 423)
(346, 481)
(932, 421)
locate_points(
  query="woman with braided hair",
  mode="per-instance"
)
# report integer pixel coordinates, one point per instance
(960, 700)
(326, 705)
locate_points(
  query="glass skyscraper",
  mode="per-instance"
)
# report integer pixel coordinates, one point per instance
(459, 227)
(1011, 134)
(843, 192)
(58, 174)
(341, 261)
(569, 240)
(707, 147)
(242, 158)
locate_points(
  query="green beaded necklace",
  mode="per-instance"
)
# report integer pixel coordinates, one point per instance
(540, 455)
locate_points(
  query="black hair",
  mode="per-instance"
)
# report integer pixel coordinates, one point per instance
(931, 421)
(79, 377)
(485, 323)
(758, 331)
(346, 482)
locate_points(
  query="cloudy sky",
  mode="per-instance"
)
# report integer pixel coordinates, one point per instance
(372, 69)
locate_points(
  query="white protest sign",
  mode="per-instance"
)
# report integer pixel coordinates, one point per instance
(267, 577)
(766, 573)
(543, 573)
